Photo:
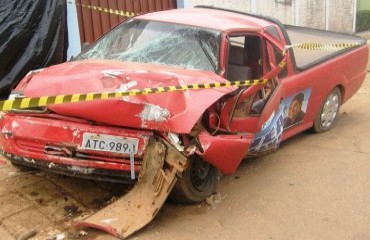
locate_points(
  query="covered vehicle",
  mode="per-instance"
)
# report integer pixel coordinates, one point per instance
(195, 133)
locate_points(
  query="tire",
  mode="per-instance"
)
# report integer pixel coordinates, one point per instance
(197, 183)
(328, 113)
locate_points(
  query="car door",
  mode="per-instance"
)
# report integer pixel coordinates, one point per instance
(251, 107)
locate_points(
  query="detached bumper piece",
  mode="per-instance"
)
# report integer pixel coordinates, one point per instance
(161, 166)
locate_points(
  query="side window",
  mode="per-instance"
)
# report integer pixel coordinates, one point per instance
(244, 58)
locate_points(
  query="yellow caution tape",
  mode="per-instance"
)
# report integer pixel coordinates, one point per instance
(324, 46)
(106, 10)
(22, 103)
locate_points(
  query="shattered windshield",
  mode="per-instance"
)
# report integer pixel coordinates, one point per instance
(159, 43)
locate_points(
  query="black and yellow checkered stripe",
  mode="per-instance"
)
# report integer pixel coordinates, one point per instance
(324, 46)
(23, 103)
(107, 10)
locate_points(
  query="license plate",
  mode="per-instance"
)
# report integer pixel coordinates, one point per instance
(109, 143)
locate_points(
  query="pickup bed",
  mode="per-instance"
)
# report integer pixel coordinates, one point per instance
(213, 128)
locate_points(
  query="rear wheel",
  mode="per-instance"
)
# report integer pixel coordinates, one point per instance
(328, 113)
(197, 183)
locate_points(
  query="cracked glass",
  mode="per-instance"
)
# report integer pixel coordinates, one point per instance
(159, 43)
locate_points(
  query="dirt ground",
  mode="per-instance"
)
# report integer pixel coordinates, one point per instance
(316, 186)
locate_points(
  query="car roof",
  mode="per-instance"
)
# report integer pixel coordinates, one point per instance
(217, 19)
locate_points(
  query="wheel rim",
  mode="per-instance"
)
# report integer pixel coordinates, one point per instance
(200, 172)
(330, 110)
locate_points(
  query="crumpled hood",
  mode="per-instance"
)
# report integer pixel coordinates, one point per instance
(172, 111)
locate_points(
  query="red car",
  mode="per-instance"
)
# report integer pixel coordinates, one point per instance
(212, 128)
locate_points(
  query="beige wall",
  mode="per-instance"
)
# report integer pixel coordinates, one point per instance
(341, 16)
(283, 12)
(240, 5)
(308, 13)
(312, 13)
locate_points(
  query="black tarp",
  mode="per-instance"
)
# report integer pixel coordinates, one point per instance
(32, 36)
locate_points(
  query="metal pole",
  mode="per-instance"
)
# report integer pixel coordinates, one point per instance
(296, 12)
(253, 6)
(73, 30)
(182, 3)
(354, 16)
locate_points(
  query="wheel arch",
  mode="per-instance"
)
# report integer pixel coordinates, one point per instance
(342, 92)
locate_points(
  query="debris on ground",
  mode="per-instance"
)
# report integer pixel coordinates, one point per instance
(83, 233)
(28, 235)
(60, 236)
(214, 200)
(56, 236)
(112, 200)
(70, 210)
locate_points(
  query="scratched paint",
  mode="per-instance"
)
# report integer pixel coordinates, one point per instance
(153, 113)
(83, 170)
(51, 165)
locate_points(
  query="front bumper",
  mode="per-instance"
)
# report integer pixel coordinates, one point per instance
(99, 174)
(52, 143)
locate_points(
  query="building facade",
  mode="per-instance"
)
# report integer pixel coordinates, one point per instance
(333, 15)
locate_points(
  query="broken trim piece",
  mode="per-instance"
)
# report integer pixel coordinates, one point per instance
(138, 207)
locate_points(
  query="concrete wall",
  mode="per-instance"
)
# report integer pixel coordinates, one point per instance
(240, 5)
(282, 11)
(312, 13)
(341, 16)
(335, 15)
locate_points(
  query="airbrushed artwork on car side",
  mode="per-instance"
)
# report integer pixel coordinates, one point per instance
(290, 113)
(294, 115)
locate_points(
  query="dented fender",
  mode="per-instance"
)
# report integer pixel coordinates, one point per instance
(168, 112)
(225, 152)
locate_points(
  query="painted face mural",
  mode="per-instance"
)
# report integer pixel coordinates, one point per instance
(295, 112)
(289, 114)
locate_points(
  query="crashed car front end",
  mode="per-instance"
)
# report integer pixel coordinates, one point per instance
(107, 139)
(72, 147)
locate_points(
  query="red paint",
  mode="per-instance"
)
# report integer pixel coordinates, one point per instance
(224, 151)
(86, 76)
(27, 135)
